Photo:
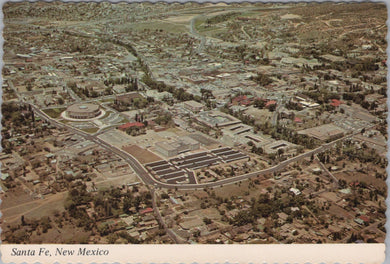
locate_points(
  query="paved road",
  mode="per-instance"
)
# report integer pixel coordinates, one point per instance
(92, 100)
(135, 164)
(149, 180)
(279, 105)
(171, 234)
(194, 32)
(335, 180)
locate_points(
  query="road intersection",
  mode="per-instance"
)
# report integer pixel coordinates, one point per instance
(148, 179)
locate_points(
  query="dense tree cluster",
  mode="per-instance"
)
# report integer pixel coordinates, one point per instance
(261, 79)
(264, 206)
(362, 154)
(280, 132)
(135, 131)
(107, 203)
(293, 106)
(164, 119)
(259, 103)
(180, 94)
(321, 96)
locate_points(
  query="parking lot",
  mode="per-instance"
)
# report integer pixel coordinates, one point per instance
(167, 172)
(180, 170)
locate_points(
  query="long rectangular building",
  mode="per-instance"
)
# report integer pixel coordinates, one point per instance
(324, 132)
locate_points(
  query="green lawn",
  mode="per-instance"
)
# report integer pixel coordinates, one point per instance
(54, 113)
(91, 130)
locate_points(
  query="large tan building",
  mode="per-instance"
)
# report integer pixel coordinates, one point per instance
(324, 132)
(173, 148)
(83, 111)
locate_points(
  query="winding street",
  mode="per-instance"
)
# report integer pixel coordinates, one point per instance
(195, 33)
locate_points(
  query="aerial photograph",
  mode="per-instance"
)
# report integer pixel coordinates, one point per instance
(194, 123)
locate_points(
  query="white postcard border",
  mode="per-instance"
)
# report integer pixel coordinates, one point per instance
(295, 253)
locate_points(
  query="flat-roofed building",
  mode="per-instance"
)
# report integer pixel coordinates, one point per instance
(216, 119)
(273, 147)
(324, 132)
(193, 106)
(175, 147)
(166, 149)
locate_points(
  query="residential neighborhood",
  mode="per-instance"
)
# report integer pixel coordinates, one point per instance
(194, 123)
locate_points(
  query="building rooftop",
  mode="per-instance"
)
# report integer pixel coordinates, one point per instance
(323, 132)
(83, 108)
(133, 124)
(217, 119)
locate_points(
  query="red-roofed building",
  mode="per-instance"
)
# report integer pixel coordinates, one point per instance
(365, 218)
(269, 103)
(242, 100)
(298, 120)
(335, 102)
(354, 184)
(146, 211)
(128, 125)
(246, 102)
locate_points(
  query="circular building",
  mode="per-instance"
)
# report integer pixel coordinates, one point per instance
(83, 111)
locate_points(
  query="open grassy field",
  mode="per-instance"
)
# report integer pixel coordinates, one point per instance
(91, 130)
(54, 112)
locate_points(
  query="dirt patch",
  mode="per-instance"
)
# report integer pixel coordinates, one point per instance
(290, 16)
(236, 189)
(14, 197)
(211, 213)
(63, 235)
(36, 209)
(338, 211)
(119, 181)
(360, 177)
(180, 19)
(142, 155)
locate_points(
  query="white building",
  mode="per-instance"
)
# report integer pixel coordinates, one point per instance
(173, 148)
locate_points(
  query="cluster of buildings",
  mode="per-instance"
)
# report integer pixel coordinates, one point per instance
(62, 77)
